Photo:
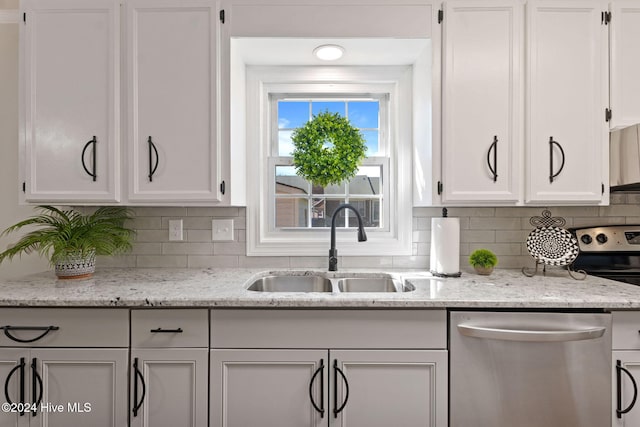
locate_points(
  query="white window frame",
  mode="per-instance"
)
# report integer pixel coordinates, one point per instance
(263, 239)
(382, 159)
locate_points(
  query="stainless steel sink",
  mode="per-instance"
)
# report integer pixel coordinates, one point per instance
(286, 283)
(372, 284)
(328, 282)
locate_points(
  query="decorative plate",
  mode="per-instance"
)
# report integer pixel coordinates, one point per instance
(552, 245)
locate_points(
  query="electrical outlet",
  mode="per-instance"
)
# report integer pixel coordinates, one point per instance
(175, 229)
(222, 230)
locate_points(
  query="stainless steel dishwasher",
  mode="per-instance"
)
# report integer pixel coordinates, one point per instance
(529, 369)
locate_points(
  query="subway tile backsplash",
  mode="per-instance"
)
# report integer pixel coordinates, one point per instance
(500, 229)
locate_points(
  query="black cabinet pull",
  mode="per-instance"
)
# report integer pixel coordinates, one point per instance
(336, 371)
(138, 374)
(20, 367)
(46, 330)
(166, 331)
(92, 174)
(551, 144)
(36, 384)
(152, 166)
(494, 168)
(619, 370)
(313, 402)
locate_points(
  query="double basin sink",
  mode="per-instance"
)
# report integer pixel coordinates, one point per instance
(324, 282)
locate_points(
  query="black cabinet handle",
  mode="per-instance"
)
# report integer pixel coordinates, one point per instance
(92, 174)
(313, 402)
(20, 367)
(138, 374)
(551, 144)
(619, 370)
(36, 384)
(494, 168)
(166, 331)
(152, 166)
(46, 330)
(336, 371)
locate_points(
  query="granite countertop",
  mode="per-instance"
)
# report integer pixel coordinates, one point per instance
(226, 288)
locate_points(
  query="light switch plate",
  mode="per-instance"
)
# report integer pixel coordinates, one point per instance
(222, 230)
(175, 230)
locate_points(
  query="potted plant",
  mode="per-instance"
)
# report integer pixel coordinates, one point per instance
(483, 261)
(72, 240)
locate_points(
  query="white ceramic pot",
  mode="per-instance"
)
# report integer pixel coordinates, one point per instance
(76, 267)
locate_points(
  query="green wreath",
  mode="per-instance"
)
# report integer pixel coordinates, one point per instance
(328, 150)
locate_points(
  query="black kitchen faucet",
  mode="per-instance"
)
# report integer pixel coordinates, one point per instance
(362, 236)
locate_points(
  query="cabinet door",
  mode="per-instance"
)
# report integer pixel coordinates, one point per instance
(624, 59)
(567, 139)
(381, 388)
(175, 390)
(71, 126)
(269, 388)
(629, 360)
(91, 384)
(482, 100)
(15, 374)
(172, 70)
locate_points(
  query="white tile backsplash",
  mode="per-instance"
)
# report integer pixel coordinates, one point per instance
(501, 229)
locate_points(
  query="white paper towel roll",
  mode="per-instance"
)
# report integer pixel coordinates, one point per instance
(445, 246)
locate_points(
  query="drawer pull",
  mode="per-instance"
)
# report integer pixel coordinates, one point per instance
(166, 331)
(36, 381)
(6, 384)
(137, 374)
(46, 330)
(313, 402)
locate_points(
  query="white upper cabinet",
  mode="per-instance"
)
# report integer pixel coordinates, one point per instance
(70, 128)
(624, 33)
(566, 138)
(172, 141)
(482, 98)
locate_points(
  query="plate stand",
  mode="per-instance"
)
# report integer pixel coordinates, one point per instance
(575, 274)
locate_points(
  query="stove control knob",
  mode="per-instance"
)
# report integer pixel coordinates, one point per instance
(601, 238)
(586, 239)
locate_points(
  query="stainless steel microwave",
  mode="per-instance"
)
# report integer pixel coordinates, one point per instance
(624, 159)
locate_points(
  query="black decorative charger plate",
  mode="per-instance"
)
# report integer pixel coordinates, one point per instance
(552, 245)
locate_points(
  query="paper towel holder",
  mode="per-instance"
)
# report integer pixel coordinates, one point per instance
(445, 214)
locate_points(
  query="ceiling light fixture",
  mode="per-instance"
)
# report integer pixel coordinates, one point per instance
(328, 52)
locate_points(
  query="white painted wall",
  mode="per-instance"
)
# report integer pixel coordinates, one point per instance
(10, 211)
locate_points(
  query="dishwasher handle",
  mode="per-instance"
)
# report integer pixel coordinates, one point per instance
(530, 335)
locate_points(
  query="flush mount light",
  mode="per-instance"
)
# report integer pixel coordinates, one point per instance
(328, 52)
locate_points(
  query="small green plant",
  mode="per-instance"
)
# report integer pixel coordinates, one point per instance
(483, 258)
(328, 150)
(64, 233)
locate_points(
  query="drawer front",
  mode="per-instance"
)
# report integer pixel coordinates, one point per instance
(169, 328)
(64, 327)
(626, 330)
(348, 329)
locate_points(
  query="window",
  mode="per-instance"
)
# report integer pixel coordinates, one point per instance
(299, 204)
(286, 215)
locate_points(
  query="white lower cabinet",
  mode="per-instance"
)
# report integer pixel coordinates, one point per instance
(626, 373)
(65, 386)
(50, 362)
(625, 369)
(169, 387)
(295, 388)
(319, 384)
(169, 368)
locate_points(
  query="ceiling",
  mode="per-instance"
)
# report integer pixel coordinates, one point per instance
(299, 51)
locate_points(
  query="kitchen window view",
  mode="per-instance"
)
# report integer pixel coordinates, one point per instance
(299, 204)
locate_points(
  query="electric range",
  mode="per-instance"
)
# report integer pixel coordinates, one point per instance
(611, 252)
